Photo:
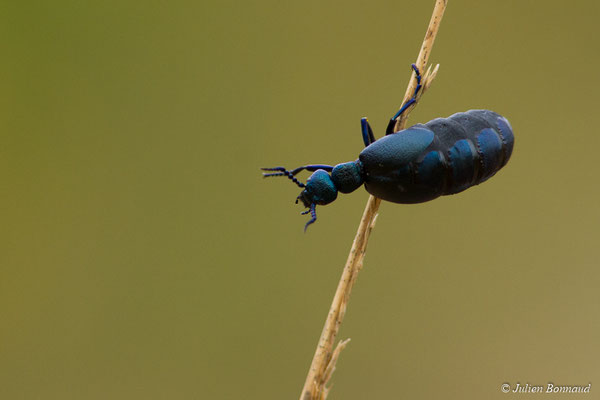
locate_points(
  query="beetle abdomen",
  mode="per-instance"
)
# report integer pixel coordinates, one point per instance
(467, 149)
(477, 144)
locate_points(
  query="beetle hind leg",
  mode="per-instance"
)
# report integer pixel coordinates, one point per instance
(410, 102)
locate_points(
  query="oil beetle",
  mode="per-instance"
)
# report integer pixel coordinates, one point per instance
(444, 156)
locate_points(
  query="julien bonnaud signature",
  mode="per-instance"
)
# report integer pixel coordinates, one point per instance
(550, 387)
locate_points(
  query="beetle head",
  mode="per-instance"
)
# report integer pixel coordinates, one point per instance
(319, 189)
(322, 188)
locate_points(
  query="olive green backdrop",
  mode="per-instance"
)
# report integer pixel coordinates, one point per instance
(142, 256)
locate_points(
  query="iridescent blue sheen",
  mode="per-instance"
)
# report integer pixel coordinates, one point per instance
(320, 187)
(394, 151)
(507, 138)
(347, 177)
(430, 171)
(462, 158)
(441, 157)
(490, 149)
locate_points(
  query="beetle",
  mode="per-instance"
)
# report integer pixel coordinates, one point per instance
(441, 157)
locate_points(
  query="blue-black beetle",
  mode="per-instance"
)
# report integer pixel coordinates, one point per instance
(414, 165)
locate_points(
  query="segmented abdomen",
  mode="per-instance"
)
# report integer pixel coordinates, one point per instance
(441, 157)
(468, 148)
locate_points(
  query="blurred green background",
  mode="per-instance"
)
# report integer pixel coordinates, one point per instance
(142, 255)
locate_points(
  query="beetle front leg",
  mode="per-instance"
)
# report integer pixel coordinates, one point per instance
(313, 215)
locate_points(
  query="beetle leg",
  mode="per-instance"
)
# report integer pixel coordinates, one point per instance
(313, 214)
(367, 132)
(410, 102)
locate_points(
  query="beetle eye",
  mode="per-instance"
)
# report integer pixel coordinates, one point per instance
(305, 198)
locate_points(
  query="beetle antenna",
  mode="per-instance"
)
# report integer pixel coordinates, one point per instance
(291, 174)
(282, 172)
(313, 214)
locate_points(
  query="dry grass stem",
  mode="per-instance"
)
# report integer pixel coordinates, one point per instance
(324, 360)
